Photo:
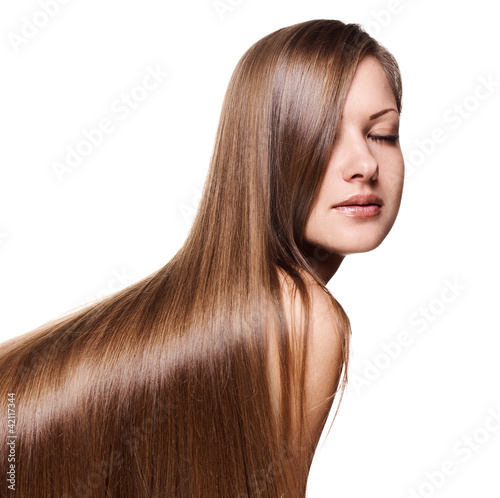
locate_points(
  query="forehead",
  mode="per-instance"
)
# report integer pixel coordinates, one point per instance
(370, 91)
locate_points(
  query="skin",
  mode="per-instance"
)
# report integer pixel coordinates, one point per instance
(361, 163)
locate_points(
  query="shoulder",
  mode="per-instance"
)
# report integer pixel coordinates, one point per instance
(326, 315)
(325, 348)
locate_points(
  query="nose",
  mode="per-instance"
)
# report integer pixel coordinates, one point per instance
(359, 162)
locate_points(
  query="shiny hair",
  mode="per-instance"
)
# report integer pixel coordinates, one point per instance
(164, 388)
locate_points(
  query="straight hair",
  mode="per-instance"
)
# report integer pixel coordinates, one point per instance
(163, 388)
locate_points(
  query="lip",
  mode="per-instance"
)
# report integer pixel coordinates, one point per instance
(360, 206)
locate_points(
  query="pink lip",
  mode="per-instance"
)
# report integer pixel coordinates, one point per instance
(360, 206)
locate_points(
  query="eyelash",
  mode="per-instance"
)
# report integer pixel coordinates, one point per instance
(391, 139)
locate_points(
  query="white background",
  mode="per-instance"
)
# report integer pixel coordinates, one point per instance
(125, 209)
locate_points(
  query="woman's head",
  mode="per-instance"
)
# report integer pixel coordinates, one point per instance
(361, 191)
(278, 150)
(189, 382)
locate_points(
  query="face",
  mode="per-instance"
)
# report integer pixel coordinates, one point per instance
(361, 192)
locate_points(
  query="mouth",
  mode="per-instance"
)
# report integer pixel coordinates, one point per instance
(360, 206)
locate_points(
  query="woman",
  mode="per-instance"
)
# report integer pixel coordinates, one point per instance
(214, 376)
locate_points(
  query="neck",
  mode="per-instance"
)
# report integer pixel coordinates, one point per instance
(324, 261)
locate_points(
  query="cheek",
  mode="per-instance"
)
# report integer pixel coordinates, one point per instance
(318, 225)
(397, 183)
(393, 176)
(320, 210)
(312, 226)
(397, 165)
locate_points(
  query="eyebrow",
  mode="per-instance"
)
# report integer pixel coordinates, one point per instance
(381, 113)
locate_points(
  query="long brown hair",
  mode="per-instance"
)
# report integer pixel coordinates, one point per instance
(162, 389)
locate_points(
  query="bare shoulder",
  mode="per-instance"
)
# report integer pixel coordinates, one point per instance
(324, 357)
(326, 320)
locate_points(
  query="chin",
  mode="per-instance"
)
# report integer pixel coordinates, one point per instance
(356, 246)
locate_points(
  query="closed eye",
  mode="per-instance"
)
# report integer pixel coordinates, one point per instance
(385, 138)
